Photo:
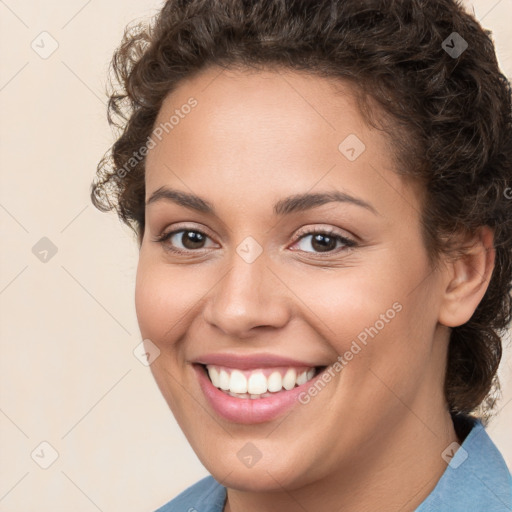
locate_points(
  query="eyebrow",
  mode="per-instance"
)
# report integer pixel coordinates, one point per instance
(285, 206)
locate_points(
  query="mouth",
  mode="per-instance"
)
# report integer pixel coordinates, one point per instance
(256, 395)
(261, 382)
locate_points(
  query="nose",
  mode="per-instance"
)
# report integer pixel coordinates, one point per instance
(249, 296)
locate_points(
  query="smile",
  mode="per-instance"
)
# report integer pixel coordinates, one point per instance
(258, 383)
(254, 395)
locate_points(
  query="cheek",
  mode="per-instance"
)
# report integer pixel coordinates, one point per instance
(161, 302)
(343, 303)
(162, 298)
(370, 316)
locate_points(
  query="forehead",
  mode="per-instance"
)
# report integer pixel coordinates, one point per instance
(262, 108)
(279, 131)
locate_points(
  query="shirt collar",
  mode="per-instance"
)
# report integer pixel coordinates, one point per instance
(476, 477)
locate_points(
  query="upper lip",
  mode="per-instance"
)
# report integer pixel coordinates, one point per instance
(252, 361)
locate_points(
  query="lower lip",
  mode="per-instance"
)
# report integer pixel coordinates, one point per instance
(247, 410)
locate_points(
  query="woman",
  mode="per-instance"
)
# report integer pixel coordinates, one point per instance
(321, 196)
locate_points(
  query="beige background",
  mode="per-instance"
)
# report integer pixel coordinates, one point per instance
(68, 375)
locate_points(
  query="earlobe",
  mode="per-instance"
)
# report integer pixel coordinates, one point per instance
(468, 278)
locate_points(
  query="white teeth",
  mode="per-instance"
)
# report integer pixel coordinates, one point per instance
(289, 379)
(275, 382)
(223, 380)
(237, 382)
(214, 376)
(257, 383)
(303, 377)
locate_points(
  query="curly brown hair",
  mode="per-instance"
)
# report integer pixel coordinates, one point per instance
(448, 109)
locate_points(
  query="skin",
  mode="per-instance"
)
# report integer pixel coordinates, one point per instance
(373, 437)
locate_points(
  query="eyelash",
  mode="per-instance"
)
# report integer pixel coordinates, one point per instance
(165, 237)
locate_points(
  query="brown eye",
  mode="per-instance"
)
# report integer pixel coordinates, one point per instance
(323, 241)
(192, 239)
(183, 240)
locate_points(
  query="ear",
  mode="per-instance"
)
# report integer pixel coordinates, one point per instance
(467, 278)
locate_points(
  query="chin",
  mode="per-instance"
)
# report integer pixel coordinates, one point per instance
(252, 479)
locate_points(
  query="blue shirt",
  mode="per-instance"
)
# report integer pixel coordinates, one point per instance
(476, 479)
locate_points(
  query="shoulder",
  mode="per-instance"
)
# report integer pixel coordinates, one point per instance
(476, 478)
(207, 495)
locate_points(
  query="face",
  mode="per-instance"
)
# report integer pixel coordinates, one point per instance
(282, 252)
